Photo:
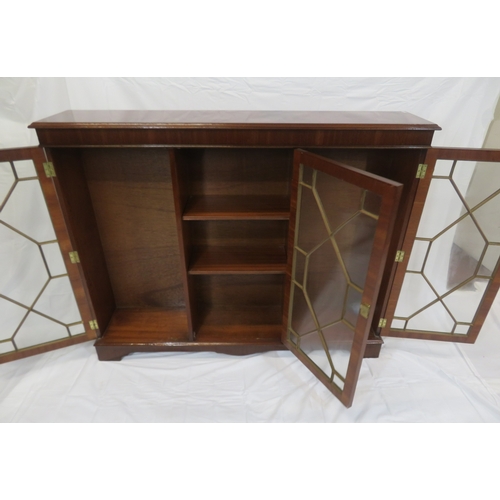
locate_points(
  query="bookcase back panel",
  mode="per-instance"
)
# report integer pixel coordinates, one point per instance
(246, 233)
(240, 290)
(238, 171)
(131, 193)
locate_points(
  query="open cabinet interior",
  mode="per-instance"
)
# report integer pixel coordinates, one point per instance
(121, 205)
(234, 208)
(187, 247)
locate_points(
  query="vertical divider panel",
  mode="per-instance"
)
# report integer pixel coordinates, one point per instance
(72, 191)
(179, 168)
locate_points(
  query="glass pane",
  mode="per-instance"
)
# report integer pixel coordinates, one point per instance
(302, 320)
(418, 254)
(339, 339)
(346, 203)
(487, 218)
(355, 242)
(312, 345)
(448, 263)
(415, 294)
(371, 203)
(312, 229)
(476, 181)
(442, 208)
(25, 168)
(7, 180)
(398, 324)
(352, 306)
(21, 266)
(6, 347)
(460, 226)
(77, 329)
(54, 259)
(306, 176)
(58, 301)
(464, 302)
(38, 330)
(27, 211)
(462, 329)
(11, 315)
(443, 168)
(326, 284)
(300, 266)
(490, 260)
(433, 318)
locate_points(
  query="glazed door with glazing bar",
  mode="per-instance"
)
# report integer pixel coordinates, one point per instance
(339, 234)
(42, 301)
(448, 275)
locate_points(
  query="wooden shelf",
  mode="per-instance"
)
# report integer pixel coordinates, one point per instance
(240, 324)
(146, 326)
(153, 330)
(237, 207)
(238, 260)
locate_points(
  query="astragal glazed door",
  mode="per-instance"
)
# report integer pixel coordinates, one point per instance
(340, 230)
(449, 274)
(42, 300)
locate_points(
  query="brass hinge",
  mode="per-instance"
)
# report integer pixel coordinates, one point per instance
(382, 323)
(74, 257)
(49, 169)
(364, 310)
(422, 168)
(400, 256)
(93, 324)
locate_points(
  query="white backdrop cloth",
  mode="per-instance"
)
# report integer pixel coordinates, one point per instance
(412, 381)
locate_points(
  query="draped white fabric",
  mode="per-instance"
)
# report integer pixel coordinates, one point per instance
(412, 381)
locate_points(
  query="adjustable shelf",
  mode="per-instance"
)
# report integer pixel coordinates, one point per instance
(238, 260)
(237, 207)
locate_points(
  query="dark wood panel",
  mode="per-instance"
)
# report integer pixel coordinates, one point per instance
(237, 207)
(242, 324)
(131, 192)
(238, 260)
(240, 172)
(259, 290)
(273, 138)
(74, 197)
(180, 169)
(252, 234)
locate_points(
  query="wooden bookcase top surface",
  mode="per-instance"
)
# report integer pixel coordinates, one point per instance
(236, 119)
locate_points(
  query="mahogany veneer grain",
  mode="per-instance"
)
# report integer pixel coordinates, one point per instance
(238, 260)
(237, 207)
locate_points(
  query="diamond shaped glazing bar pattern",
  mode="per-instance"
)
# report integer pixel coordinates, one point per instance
(37, 302)
(461, 233)
(333, 217)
